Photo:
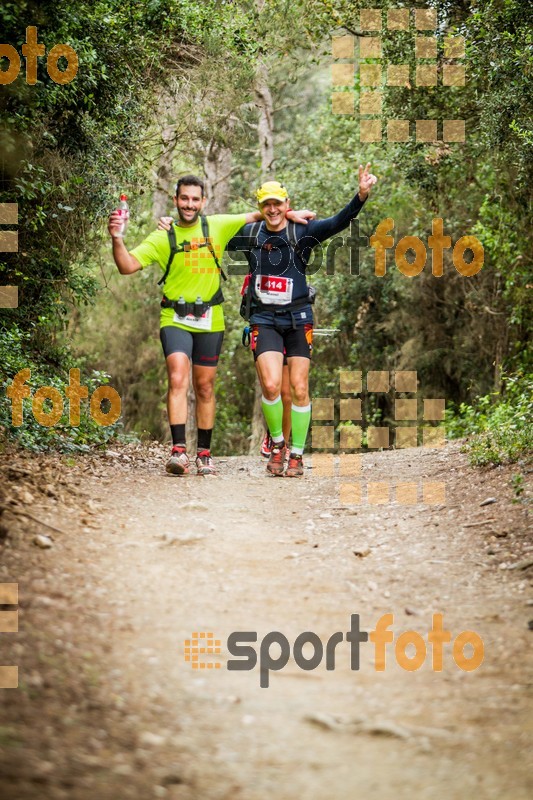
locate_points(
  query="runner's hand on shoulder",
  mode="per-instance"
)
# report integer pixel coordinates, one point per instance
(302, 217)
(366, 181)
(164, 223)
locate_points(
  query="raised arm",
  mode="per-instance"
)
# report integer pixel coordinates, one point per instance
(322, 229)
(126, 263)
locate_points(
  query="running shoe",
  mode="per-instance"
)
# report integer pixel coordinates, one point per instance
(266, 445)
(276, 461)
(204, 463)
(295, 467)
(178, 463)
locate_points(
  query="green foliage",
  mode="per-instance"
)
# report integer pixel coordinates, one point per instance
(70, 149)
(181, 72)
(501, 445)
(50, 128)
(15, 355)
(119, 334)
(501, 424)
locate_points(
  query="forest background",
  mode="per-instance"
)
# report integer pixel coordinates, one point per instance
(239, 92)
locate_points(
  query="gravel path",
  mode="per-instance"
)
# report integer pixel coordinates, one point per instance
(108, 707)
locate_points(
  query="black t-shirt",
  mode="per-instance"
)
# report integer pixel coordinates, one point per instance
(277, 272)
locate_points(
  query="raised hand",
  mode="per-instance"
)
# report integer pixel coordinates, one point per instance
(366, 181)
(301, 217)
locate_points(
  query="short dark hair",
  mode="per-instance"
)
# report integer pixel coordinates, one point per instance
(189, 180)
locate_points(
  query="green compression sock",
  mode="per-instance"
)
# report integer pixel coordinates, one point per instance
(300, 419)
(273, 411)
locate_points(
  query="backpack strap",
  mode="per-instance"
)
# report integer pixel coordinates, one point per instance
(209, 244)
(173, 250)
(293, 239)
(254, 236)
(254, 232)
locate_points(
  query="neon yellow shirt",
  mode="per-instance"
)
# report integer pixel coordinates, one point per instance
(192, 273)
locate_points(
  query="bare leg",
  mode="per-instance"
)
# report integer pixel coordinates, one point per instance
(203, 379)
(178, 384)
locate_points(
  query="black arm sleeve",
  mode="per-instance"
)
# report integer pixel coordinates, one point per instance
(322, 229)
(240, 239)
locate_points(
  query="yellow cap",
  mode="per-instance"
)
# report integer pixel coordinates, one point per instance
(271, 190)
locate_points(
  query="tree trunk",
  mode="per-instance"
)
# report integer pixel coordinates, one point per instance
(217, 168)
(164, 189)
(265, 125)
(265, 132)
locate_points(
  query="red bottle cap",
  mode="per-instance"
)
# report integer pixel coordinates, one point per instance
(123, 197)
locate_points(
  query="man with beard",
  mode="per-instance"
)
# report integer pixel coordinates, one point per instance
(192, 320)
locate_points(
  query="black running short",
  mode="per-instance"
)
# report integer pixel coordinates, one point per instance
(288, 341)
(201, 347)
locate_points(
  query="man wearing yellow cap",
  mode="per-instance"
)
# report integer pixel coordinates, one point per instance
(281, 316)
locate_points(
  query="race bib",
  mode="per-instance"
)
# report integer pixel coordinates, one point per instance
(273, 289)
(202, 323)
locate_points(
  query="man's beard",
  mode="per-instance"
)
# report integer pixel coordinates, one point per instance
(188, 221)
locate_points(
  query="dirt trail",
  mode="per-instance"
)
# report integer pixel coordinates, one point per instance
(108, 708)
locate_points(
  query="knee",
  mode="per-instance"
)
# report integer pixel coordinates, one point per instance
(271, 389)
(204, 390)
(178, 381)
(300, 393)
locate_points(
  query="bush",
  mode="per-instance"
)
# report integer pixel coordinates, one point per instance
(501, 423)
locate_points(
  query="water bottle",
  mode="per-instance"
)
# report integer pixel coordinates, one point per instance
(198, 307)
(124, 211)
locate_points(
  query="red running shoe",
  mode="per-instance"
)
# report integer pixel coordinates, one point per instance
(205, 464)
(276, 462)
(266, 445)
(295, 467)
(178, 463)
